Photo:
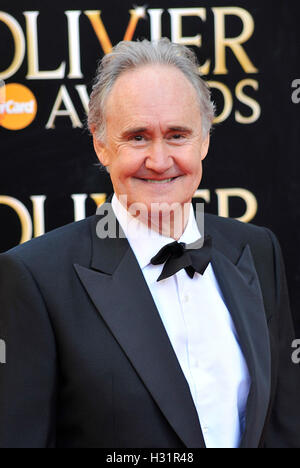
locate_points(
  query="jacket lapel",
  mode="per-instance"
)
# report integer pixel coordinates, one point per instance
(239, 283)
(120, 293)
(130, 312)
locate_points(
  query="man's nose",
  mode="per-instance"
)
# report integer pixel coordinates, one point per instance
(159, 158)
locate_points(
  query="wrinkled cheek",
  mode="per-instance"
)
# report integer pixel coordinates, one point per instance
(195, 170)
(125, 183)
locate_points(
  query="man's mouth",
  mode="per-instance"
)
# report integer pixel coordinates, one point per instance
(162, 181)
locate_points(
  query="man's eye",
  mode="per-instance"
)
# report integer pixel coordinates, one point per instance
(138, 138)
(177, 136)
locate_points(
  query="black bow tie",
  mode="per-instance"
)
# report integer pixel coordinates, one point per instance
(177, 255)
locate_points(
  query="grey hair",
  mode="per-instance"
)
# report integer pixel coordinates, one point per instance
(127, 56)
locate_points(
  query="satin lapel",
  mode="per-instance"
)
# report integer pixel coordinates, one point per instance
(118, 289)
(240, 286)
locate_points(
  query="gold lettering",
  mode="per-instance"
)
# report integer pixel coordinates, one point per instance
(135, 16)
(38, 203)
(33, 52)
(80, 203)
(96, 21)
(155, 23)
(249, 198)
(228, 101)
(19, 41)
(84, 97)
(99, 198)
(204, 194)
(79, 206)
(63, 97)
(176, 30)
(23, 214)
(74, 44)
(222, 42)
(248, 101)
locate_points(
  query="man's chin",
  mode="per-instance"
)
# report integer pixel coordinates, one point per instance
(161, 208)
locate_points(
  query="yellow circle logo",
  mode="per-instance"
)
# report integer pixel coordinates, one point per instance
(18, 106)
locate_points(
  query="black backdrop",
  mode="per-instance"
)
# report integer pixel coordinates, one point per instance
(255, 148)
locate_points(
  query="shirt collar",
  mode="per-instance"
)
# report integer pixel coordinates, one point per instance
(145, 242)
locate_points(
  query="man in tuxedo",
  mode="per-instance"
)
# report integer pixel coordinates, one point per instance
(161, 334)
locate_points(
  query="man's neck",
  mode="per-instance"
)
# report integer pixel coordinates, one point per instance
(171, 221)
(170, 225)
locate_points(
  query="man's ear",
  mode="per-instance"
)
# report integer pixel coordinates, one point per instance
(100, 150)
(205, 147)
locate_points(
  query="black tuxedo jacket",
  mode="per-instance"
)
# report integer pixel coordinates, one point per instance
(89, 363)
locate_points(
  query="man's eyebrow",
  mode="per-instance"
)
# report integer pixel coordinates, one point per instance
(133, 131)
(172, 128)
(180, 129)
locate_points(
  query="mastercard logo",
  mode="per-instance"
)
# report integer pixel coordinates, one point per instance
(18, 106)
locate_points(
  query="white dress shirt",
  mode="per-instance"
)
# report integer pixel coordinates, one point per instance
(201, 331)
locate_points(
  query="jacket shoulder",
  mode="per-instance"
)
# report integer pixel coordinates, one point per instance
(54, 246)
(237, 232)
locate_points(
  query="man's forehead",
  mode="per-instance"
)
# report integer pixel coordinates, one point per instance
(152, 82)
(157, 97)
(131, 123)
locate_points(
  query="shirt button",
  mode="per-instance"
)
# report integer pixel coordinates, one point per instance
(205, 429)
(186, 298)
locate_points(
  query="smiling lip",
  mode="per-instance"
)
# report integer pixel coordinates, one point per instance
(159, 181)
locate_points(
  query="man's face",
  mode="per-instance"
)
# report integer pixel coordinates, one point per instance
(154, 145)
